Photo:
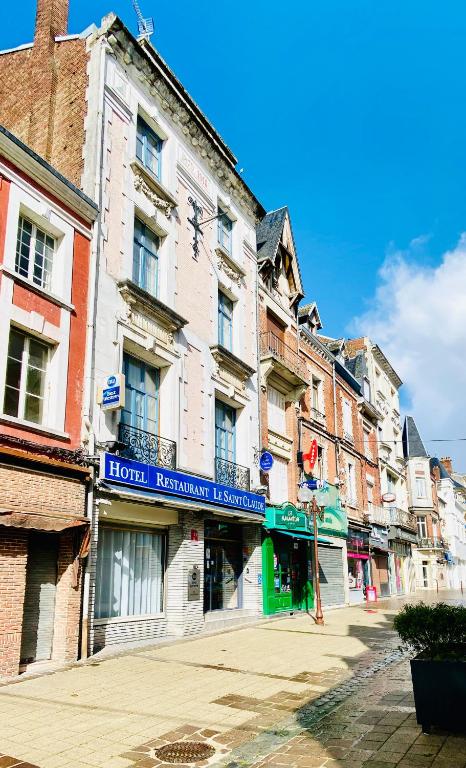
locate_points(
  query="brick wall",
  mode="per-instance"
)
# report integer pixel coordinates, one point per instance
(68, 600)
(13, 558)
(42, 91)
(34, 490)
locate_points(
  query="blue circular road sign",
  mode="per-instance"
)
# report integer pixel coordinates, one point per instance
(266, 461)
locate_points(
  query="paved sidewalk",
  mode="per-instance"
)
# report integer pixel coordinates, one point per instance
(246, 695)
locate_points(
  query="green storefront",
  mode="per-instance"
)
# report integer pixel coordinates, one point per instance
(287, 555)
(286, 560)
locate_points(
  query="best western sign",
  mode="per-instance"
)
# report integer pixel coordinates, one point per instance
(160, 480)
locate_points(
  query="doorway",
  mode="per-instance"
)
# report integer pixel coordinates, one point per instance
(223, 566)
(39, 598)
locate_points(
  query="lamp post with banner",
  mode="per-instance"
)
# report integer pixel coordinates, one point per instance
(312, 508)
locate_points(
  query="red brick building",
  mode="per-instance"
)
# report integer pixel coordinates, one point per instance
(45, 233)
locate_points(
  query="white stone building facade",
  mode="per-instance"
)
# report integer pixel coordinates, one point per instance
(176, 327)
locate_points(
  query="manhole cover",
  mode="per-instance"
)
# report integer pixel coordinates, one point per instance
(185, 752)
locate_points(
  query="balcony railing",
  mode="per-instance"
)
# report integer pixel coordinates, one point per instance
(146, 447)
(318, 416)
(234, 475)
(431, 543)
(270, 344)
(393, 516)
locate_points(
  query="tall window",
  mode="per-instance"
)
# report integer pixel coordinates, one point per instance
(370, 497)
(225, 429)
(366, 388)
(367, 446)
(141, 395)
(130, 565)
(278, 481)
(421, 487)
(145, 258)
(347, 419)
(422, 527)
(315, 394)
(225, 321)
(26, 372)
(351, 477)
(391, 483)
(148, 148)
(34, 253)
(224, 230)
(276, 410)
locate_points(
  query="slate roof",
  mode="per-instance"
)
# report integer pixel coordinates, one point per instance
(269, 232)
(357, 365)
(412, 442)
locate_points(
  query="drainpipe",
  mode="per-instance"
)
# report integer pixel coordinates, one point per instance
(337, 444)
(90, 343)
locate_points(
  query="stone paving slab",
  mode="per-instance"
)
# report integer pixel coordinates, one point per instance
(251, 694)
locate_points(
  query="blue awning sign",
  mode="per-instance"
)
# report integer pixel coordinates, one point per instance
(160, 480)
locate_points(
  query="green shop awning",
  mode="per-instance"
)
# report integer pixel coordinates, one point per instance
(293, 535)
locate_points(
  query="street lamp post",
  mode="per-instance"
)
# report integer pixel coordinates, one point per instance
(317, 511)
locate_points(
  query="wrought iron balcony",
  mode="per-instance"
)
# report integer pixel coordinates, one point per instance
(272, 346)
(146, 447)
(229, 473)
(318, 416)
(431, 543)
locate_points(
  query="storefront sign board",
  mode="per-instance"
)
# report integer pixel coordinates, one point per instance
(160, 480)
(287, 517)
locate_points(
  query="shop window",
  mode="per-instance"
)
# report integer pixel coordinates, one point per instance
(225, 321)
(130, 573)
(276, 410)
(145, 258)
(149, 148)
(35, 251)
(26, 373)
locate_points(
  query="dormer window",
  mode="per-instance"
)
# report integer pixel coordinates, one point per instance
(149, 148)
(224, 230)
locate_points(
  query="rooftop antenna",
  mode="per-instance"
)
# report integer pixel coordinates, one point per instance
(145, 26)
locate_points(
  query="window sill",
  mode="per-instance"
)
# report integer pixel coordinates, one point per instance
(37, 289)
(33, 427)
(127, 619)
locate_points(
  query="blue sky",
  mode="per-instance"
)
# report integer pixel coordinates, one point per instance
(351, 113)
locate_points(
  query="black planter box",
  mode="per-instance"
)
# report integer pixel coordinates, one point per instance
(440, 692)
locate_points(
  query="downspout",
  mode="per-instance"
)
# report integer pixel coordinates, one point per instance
(91, 343)
(337, 442)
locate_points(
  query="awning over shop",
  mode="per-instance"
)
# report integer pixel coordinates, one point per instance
(40, 522)
(158, 499)
(308, 536)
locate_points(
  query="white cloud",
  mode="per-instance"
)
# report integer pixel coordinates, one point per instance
(418, 317)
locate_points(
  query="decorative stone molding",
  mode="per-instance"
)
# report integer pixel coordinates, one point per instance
(149, 315)
(280, 445)
(230, 268)
(199, 134)
(230, 370)
(153, 191)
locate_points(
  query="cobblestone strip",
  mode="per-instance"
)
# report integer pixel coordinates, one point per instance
(308, 716)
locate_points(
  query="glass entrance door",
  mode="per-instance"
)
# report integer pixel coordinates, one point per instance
(222, 566)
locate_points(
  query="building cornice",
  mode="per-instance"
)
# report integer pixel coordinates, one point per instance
(175, 101)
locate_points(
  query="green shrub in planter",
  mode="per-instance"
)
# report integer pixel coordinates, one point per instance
(433, 630)
(437, 634)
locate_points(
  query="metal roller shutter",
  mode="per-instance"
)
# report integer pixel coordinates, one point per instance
(39, 599)
(332, 586)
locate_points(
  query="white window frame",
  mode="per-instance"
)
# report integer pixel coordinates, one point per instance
(23, 376)
(422, 526)
(278, 481)
(221, 215)
(276, 413)
(421, 488)
(347, 419)
(351, 483)
(46, 280)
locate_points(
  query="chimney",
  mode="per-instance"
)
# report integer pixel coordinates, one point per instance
(51, 21)
(447, 464)
(436, 473)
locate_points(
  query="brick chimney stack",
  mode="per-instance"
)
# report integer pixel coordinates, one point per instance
(51, 21)
(447, 464)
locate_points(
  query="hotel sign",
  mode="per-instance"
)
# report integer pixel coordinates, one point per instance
(160, 480)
